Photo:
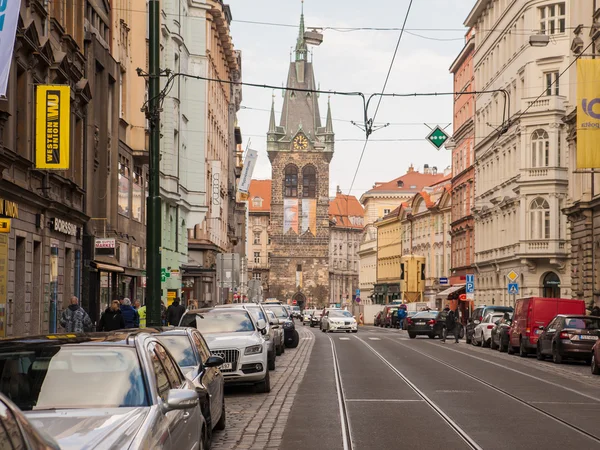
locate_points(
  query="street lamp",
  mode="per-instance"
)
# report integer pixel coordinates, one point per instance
(313, 37)
(539, 40)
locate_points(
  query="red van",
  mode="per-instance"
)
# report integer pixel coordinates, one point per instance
(534, 312)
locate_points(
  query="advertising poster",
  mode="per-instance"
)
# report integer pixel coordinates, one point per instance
(588, 113)
(247, 171)
(290, 215)
(52, 123)
(309, 215)
(9, 15)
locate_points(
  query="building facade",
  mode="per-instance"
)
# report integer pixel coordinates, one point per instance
(521, 174)
(259, 241)
(389, 252)
(300, 150)
(367, 254)
(346, 225)
(463, 157)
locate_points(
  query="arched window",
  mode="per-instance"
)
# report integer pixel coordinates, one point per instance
(539, 218)
(551, 285)
(309, 182)
(291, 181)
(540, 149)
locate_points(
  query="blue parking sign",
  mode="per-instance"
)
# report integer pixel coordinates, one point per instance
(470, 287)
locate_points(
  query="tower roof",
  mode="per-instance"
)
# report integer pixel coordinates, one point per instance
(301, 48)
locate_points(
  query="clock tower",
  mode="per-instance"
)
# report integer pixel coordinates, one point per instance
(300, 150)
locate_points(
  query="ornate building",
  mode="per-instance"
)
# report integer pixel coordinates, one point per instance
(300, 150)
(259, 242)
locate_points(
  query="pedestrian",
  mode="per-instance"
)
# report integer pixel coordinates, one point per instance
(450, 326)
(112, 319)
(74, 319)
(141, 310)
(596, 311)
(175, 312)
(120, 298)
(163, 313)
(130, 315)
(401, 317)
(193, 304)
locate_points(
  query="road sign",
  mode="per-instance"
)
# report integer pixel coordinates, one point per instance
(470, 287)
(437, 137)
(357, 299)
(444, 281)
(512, 276)
(358, 292)
(513, 288)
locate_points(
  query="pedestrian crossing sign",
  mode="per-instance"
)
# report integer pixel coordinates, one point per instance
(513, 288)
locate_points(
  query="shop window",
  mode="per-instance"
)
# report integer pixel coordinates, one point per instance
(123, 197)
(136, 195)
(68, 277)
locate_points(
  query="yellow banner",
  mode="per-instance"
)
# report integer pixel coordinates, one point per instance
(588, 114)
(52, 137)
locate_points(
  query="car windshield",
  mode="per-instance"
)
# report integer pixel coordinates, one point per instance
(339, 314)
(219, 321)
(426, 315)
(55, 377)
(257, 313)
(582, 323)
(181, 349)
(278, 310)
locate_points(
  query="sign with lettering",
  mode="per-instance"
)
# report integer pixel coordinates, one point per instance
(53, 120)
(4, 225)
(64, 227)
(105, 247)
(215, 189)
(9, 209)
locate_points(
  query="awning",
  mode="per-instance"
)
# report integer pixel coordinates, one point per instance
(450, 290)
(107, 267)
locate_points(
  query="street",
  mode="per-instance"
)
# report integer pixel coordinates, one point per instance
(378, 389)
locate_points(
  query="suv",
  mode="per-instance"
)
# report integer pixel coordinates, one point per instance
(291, 336)
(478, 314)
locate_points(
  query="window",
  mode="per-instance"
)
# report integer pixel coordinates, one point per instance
(386, 211)
(309, 182)
(257, 237)
(256, 276)
(201, 346)
(291, 181)
(160, 375)
(257, 202)
(552, 18)
(136, 195)
(552, 84)
(539, 216)
(173, 374)
(257, 257)
(540, 149)
(123, 195)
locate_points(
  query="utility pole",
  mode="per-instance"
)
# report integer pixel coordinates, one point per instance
(153, 230)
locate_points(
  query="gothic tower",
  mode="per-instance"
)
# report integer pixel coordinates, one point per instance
(300, 150)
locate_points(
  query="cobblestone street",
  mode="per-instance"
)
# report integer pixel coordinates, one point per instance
(257, 421)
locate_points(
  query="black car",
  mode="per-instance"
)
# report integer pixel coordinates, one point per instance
(426, 323)
(315, 319)
(478, 314)
(290, 334)
(500, 333)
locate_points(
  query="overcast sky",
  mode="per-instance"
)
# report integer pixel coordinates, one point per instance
(356, 61)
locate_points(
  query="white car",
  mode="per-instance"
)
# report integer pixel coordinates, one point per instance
(234, 335)
(338, 320)
(306, 316)
(482, 334)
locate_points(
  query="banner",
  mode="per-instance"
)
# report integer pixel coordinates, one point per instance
(309, 215)
(247, 171)
(53, 121)
(290, 215)
(9, 15)
(588, 113)
(215, 189)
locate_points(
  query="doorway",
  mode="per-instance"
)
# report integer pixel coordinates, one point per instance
(551, 285)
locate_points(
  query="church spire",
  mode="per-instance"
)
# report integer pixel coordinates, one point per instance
(329, 124)
(301, 48)
(272, 125)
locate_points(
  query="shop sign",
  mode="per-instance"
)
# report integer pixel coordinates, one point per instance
(9, 209)
(175, 272)
(105, 247)
(4, 225)
(64, 227)
(171, 294)
(53, 117)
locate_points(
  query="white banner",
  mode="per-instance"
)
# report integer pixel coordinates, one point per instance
(9, 14)
(215, 189)
(247, 172)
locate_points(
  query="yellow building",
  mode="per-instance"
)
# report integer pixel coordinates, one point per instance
(389, 251)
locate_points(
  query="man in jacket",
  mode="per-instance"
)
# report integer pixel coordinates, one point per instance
(175, 312)
(401, 317)
(74, 319)
(451, 325)
(112, 319)
(130, 315)
(141, 312)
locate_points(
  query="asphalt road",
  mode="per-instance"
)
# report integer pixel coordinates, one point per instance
(378, 389)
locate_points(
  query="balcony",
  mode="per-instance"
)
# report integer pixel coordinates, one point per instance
(544, 104)
(543, 174)
(543, 248)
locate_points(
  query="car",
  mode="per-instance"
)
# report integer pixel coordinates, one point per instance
(291, 336)
(378, 319)
(279, 336)
(234, 335)
(191, 352)
(315, 319)
(569, 336)
(482, 334)
(258, 312)
(296, 313)
(307, 315)
(499, 337)
(531, 313)
(426, 323)
(16, 432)
(595, 363)
(339, 320)
(386, 317)
(477, 316)
(115, 390)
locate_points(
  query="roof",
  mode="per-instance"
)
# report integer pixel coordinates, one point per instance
(260, 189)
(410, 183)
(344, 206)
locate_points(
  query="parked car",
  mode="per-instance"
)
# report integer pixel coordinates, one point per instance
(291, 336)
(191, 352)
(477, 316)
(426, 323)
(307, 315)
(234, 335)
(16, 432)
(500, 332)
(387, 316)
(279, 336)
(315, 319)
(296, 313)
(258, 312)
(339, 320)
(568, 336)
(533, 312)
(378, 320)
(595, 363)
(116, 390)
(482, 334)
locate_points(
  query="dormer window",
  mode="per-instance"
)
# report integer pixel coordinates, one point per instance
(400, 183)
(257, 202)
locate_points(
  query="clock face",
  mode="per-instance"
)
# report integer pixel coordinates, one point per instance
(300, 142)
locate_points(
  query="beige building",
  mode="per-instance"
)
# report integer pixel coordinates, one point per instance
(259, 242)
(389, 252)
(367, 254)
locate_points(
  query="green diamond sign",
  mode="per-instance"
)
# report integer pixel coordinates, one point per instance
(437, 137)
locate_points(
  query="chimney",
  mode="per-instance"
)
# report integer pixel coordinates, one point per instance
(411, 169)
(338, 190)
(434, 170)
(426, 170)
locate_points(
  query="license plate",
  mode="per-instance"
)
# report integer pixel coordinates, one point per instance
(586, 337)
(226, 366)
(420, 323)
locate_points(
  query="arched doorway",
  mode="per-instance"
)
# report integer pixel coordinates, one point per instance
(299, 300)
(551, 285)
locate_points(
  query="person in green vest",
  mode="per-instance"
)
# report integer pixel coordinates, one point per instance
(141, 312)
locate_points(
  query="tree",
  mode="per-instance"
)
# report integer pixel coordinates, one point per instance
(320, 295)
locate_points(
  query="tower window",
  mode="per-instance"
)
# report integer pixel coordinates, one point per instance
(291, 181)
(309, 182)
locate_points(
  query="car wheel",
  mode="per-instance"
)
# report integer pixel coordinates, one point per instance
(323, 330)
(594, 366)
(493, 345)
(347, 331)
(557, 358)
(278, 351)
(538, 353)
(468, 339)
(264, 387)
(523, 353)
(501, 347)
(431, 336)
(510, 349)
(223, 419)
(271, 362)
(282, 346)
(294, 341)
(485, 342)
(355, 331)
(412, 335)
(473, 341)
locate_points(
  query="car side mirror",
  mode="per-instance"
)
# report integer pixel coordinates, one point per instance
(261, 324)
(541, 327)
(271, 323)
(214, 361)
(180, 399)
(497, 322)
(263, 331)
(476, 322)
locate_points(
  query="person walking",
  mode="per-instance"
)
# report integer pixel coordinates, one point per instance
(451, 325)
(175, 312)
(74, 319)
(141, 310)
(401, 317)
(130, 315)
(595, 311)
(112, 319)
